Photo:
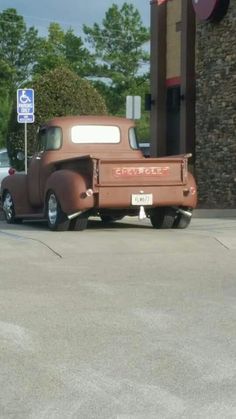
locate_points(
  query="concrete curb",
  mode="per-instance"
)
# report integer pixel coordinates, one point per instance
(214, 213)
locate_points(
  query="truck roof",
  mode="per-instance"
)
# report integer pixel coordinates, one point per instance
(91, 120)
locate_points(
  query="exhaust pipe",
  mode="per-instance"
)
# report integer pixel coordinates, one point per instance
(186, 213)
(76, 214)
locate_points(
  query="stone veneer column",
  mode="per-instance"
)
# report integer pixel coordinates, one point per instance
(216, 111)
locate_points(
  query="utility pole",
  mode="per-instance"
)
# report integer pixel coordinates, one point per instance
(187, 113)
(158, 77)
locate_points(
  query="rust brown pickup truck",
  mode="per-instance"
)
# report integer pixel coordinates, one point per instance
(91, 166)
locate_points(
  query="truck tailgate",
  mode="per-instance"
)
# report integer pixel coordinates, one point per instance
(119, 179)
(157, 171)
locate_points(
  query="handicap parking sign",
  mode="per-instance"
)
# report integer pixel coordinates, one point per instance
(25, 101)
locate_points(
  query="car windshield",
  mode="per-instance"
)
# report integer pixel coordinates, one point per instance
(4, 159)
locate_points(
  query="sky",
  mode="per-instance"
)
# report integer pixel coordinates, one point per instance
(69, 13)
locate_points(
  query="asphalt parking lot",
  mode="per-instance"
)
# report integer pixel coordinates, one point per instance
(119, 321)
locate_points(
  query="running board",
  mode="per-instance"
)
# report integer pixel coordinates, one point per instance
(38, 216)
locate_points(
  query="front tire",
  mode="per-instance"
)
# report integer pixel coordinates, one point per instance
(9, 209)
(57, 219)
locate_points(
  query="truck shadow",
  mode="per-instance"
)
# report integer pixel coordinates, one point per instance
(124, 224)
(93, 224)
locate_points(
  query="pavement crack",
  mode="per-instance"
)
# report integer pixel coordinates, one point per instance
(20, 237)
(221, 243)
(46, 245)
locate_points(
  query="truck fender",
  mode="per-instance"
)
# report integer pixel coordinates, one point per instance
(190, 198)
(70, 189)
(17, 186)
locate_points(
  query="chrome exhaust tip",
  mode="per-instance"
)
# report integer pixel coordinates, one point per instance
(186, 213)
(76, 214)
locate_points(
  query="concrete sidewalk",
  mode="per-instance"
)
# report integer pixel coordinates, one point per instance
(119, 321)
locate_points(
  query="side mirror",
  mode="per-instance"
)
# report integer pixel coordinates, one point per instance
(20, 155)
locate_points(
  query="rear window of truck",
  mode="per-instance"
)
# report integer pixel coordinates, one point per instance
(95, 134)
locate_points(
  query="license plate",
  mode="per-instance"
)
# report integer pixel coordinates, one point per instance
(142, 199)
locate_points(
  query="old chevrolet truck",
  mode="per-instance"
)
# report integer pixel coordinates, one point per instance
(91, 166)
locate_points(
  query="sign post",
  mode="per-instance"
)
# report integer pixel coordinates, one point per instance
(25, 112)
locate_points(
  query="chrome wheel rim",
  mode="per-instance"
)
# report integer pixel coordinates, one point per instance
(52, 209)
(8, 206)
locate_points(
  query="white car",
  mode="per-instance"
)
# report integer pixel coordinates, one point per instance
(4, 164)
(145, 148)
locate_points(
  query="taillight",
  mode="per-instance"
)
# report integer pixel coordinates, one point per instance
(89, 192)
(192, 190)
(11, 171)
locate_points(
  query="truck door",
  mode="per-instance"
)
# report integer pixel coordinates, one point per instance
(35, 169)
(49, 140)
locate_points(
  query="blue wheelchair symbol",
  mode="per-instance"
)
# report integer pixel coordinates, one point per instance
(24, 98)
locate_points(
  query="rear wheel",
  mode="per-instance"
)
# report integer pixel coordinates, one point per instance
(163, 217)
(79, 223)
(9, 209)
(57, 219)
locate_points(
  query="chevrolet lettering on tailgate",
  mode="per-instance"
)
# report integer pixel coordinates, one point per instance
(140, 171)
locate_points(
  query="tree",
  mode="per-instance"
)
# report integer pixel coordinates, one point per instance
(5, 102)
(58, 92)
(64, 48)
(19, 49)
(53, 50)
(119, 53)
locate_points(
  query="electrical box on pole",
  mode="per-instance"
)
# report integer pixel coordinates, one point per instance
(133, 107)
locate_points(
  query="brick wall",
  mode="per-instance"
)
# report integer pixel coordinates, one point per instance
(216, 112)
